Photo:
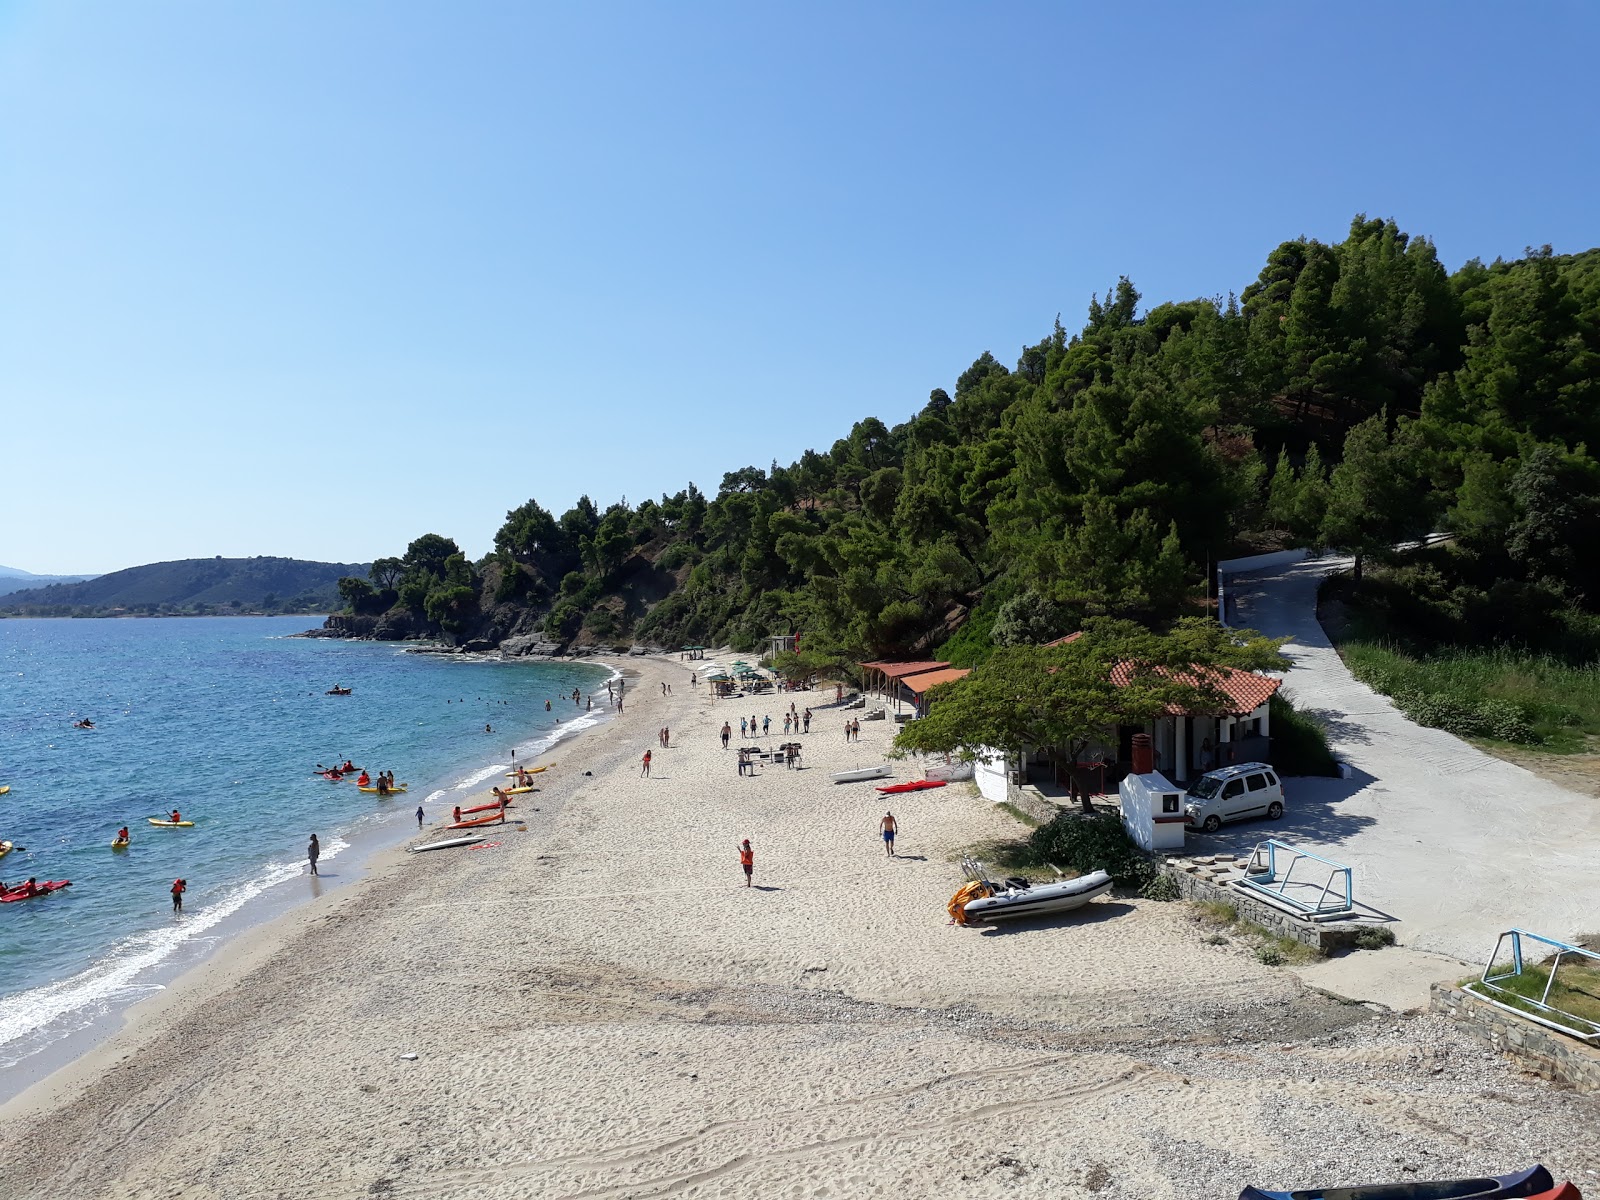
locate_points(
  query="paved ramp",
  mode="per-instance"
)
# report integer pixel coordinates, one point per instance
(1453, 843)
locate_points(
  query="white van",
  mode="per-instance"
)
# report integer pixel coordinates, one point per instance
(1232, 794)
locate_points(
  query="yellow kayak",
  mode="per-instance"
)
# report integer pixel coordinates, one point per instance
(399, 787)
(5, 849)
(170, 824)
(521, 791)
(120, 843)
(4, 789)
(530, 770)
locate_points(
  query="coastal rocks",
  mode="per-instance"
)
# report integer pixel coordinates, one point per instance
(529, 645)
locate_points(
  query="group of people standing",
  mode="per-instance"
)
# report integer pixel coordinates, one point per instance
(852, 730)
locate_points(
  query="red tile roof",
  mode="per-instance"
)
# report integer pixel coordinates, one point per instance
(1245, 690)
(1062, 641)
(899, 670)
(932, 679)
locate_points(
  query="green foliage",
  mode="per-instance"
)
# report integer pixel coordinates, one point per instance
(1084, 842)
(1161, 886)
(1374, 937)
(1299, 746)
(1100, 474)
(1028, 620)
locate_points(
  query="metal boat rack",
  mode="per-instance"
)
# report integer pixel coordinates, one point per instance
(1581, 978)
(1289, 876)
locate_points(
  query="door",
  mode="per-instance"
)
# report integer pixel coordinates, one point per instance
(1232, 802)
(1254, 801)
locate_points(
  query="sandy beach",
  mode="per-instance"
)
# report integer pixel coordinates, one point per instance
(595, 1006)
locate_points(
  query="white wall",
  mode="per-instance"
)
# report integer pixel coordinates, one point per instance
(990, 773)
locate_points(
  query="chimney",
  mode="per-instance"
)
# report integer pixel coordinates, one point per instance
(1144, 755)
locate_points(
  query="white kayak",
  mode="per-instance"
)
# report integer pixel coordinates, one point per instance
(449, 842)
(882, 771)
(1034, 899)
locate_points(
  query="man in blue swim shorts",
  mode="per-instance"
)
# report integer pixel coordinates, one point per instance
(887, 828)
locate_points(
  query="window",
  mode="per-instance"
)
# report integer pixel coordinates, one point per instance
(1256, 782)
(1235, 788)
(1169, 802)
(1272, 779)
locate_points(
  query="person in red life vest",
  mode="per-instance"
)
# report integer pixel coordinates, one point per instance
(179, 886)
(363, 780)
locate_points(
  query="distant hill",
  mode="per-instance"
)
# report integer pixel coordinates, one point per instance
(15, 577)
(192, 586)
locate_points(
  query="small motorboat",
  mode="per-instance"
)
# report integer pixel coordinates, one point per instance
(1533, 1181)
(11, 895)
(915, 785)
(882, 771)
(981, 899)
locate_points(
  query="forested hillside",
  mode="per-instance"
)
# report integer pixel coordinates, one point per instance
(1352, 395)
(198, 586)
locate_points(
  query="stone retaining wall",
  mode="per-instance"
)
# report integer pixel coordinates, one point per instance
(1324, 936)
(1532, 1047)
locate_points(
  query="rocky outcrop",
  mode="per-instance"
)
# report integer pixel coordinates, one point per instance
(530, 645)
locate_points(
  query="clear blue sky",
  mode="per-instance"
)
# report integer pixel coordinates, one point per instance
(312, 279)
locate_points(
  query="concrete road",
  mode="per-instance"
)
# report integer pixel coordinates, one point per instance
(1453, 844)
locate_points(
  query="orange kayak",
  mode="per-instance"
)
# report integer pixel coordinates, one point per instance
(494, 816)
(492, 806)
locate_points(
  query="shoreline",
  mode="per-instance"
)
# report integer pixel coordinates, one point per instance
(824, 1032)
(362, 848)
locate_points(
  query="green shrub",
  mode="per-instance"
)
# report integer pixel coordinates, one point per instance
(1269, 955)
(1374, 938)
(1085, 842)
(1299, 746)
(1161, 887)
(676, 555)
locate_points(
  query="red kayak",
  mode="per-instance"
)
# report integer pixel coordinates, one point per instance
(916, 785)
(492, 807)
(494, 816)
(43, 889)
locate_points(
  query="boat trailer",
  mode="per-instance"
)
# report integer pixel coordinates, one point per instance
(1514, 986)
(1307, 884)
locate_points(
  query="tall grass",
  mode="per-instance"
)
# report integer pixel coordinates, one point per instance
(1499, 694)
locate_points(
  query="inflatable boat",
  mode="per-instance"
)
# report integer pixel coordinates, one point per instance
(1534, 1181)
(1017, 897)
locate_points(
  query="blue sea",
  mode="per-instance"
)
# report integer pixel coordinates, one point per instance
(223, 718)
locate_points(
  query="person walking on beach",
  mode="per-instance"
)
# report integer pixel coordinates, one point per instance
(179, 886)
(747, 860)
(419, 816)
(644, 766)
(807, 720)
(888, 828)
(766, 723)
(313, 851)
(742, 732)
(855, 730)
(727, 732)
